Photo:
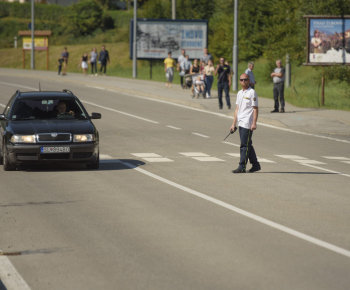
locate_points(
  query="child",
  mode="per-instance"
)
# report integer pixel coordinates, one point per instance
(59, 62)
(199, 84)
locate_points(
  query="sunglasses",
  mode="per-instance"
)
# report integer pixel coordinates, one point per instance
(221, 59)
(244, 80)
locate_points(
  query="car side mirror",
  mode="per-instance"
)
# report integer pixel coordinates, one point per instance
(96, 116)
(2, 117)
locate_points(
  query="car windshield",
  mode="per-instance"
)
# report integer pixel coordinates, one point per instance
(47, 108)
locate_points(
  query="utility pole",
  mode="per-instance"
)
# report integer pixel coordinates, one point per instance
(32, 63)
(134, 53)
(173, 9)
(235, 49)
(288, 71)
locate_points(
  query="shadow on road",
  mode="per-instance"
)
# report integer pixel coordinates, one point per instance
(105, 165)
(299, 172)
(38, 203)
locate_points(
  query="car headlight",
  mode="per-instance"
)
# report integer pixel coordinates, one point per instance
(84, 138)
(23, 139)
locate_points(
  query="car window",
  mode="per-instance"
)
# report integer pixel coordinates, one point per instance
(8, 106)
(46, 108)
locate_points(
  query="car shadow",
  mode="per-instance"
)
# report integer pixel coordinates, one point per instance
(105, 165)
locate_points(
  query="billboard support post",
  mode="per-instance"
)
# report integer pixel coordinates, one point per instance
(32, 63)
(288, 70)
(322, 98)
(134, 61)
(150, 69)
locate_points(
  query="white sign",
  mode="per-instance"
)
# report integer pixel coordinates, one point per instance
(156, 38)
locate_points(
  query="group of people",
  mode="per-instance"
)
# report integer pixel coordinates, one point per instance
(92, 59)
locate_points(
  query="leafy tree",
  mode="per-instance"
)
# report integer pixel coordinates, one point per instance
(84, 17)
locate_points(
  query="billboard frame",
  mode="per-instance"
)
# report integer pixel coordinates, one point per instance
(131, 32)
(308, 17)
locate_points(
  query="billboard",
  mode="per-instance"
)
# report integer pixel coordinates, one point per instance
(40, 43)
(328, 40)
(155, 38)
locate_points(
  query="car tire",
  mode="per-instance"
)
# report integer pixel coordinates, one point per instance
(6, 163)
(96, 164)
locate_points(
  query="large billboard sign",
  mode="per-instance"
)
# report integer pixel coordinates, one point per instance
(155, 38)
(40, 43)
(328, 40)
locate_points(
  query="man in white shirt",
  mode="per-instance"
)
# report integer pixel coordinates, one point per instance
(246, 114)
(180, 62)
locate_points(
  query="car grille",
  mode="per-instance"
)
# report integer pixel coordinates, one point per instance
(60, 137)
(82, 155)
(57, 156)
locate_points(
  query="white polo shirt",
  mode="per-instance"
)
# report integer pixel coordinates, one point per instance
(246, 100)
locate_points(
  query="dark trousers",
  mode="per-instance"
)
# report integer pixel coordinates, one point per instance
(278, 89)
(93, 67)
(103, 66)
(221, 87)
(182, 77)
(247, 149)
(209, 82)
(59, 69)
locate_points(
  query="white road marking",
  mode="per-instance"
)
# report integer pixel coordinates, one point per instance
(20, 86)
(263, 160)
(2, 105)
(95, 87)
(158, 159)
(204, 136)
(234, 154)
(255, 217)
(207, 159)
(105, 156)
(172, 127)
(309, 162)
(142, 155)
(320, 168)
(336, 158)
(194, 154)
(120, 112)
(348, 162)
(229, 143)
(293, 157)
(10, 277)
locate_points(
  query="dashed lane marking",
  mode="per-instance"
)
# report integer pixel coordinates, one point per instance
(292, 157)
(194, 154)
(172, 127)
(336, 158)
(147, 155)
(263, 160)
(10, 277)
(324, 169)
(229, 143)
(207, 159)
(158, 159)
(348, 162)
(234, 154)
(200, 135)
(309, 161)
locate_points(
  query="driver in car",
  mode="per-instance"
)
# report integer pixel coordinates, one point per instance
(61, 108)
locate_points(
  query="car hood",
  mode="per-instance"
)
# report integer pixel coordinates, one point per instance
(28, 127)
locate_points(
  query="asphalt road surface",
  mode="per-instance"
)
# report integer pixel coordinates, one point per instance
(164, 210)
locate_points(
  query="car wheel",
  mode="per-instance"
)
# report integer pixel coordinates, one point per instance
(96, 164)
(7, 165)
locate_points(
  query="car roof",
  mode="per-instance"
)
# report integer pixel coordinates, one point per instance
(52, 94)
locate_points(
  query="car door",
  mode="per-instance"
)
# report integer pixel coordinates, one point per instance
(4, 123)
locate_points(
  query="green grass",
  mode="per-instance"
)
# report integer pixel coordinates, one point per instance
(305, 90)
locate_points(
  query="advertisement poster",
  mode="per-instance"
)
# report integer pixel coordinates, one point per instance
(156, 38)
(329, 41)
(40, 43)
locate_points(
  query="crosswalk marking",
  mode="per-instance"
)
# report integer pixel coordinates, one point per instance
(263, 160)
(201, 135)
(229, 143)
(234, 154)
(207, 159)
(172, 127)
(348, 162)
(142, 155)
(309, 162)
(194, 154)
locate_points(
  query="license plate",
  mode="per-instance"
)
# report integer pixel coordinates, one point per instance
(61, 149)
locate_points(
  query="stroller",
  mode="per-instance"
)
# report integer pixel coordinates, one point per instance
(199, 85)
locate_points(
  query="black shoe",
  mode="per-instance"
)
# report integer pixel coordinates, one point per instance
(255, 168)
(282, 111)
(229, 107)
(238, 170)
(220, 107)
(274, 111)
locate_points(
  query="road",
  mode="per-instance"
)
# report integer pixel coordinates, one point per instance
(164, 210)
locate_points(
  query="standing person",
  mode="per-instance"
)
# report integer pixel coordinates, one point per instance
(193, 71)
(249, 72)
(205, 57)
(104, 58)
(59, 62)
(93, 59)
(246, 114)
(209, 76)
(84, 64)
(316, 42)
(169, 64)
(278, 87)
(224, 82)
(65, 55)
(180, 62)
